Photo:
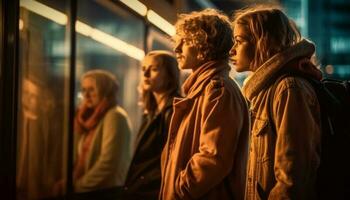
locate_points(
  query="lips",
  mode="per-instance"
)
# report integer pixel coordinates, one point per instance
(233, 61)
(179, 57)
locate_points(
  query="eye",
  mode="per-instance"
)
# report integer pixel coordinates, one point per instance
(237, 42)
(154, 69)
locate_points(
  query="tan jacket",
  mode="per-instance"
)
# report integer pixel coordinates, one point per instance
(205, 155)
(109, 157)
(283, 163)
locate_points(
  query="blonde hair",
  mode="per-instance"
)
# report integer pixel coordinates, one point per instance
(208, 30)
(106, 84)
(271, 31)
(167, 60)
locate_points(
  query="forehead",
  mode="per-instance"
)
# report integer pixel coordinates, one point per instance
(88, 82)
(30, 86)
(150, 60)
(241, 30)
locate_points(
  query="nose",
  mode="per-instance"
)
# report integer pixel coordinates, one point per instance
(178, 47)
(146, 73)
(233, 51)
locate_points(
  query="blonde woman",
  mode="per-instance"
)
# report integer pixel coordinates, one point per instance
(285, 139)
(159, 85)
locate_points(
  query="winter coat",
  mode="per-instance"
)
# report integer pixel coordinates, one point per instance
(144, 176)
(206, 150)
(109, 156)
(284, 153)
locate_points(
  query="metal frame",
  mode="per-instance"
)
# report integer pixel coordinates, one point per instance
(9, 79)
(9, 97)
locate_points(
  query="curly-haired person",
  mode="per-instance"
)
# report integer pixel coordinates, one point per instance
(205, 154)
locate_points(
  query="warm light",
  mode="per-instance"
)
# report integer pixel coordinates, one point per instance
(20, 25)
(136, 6)
(160, 22)
(83, 29)
(329, 69)
(117, 44)
(45, 11)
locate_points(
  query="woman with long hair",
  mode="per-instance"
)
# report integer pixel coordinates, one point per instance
(159, 85)
(285, 138)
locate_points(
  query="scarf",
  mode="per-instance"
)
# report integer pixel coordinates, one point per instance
(85, 123)
(202, 76)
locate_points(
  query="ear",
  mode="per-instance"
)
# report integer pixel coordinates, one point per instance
(201, 57)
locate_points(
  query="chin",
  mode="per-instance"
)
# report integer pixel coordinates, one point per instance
(240, 69)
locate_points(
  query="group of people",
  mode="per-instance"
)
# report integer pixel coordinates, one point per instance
(217, 141)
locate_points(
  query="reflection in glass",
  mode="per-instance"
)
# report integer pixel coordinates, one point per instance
(102, 134)
(43, 109)
(94, 52)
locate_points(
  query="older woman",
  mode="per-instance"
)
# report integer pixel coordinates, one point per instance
(102, 131)
(159, 85)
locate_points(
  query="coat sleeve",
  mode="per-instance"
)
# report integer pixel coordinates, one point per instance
(114, 148)
(296, 116)
(221, 124)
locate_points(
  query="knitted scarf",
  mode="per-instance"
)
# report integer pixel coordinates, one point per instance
(85, 123)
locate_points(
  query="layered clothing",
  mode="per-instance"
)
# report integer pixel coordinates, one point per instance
(284, 151)
(102, 147)
(144, 176)
(205, 154)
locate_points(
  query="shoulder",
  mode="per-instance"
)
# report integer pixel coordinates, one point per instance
(117, 111)
(223, 86)
(295, 84)
(117, 114)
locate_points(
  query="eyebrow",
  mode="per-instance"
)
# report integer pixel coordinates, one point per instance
(239, 36)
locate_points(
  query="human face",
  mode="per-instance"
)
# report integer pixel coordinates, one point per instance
(242, 52)
(30, 97)
(90, 92)
(186, 54)
(153, 75)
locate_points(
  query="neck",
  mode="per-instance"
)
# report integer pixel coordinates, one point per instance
(160, 99)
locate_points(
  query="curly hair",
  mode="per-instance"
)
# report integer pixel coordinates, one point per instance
(271, 31)
(209, 30)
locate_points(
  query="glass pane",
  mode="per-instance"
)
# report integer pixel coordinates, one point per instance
(158, 41)
(43, 93)
(110, 39)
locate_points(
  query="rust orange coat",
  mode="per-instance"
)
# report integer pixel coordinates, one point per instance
(205, 155)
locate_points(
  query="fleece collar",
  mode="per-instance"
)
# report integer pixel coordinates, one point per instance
(262, 76)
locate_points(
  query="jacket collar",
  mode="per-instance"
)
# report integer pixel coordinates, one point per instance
(262, 76)
(196, 82)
